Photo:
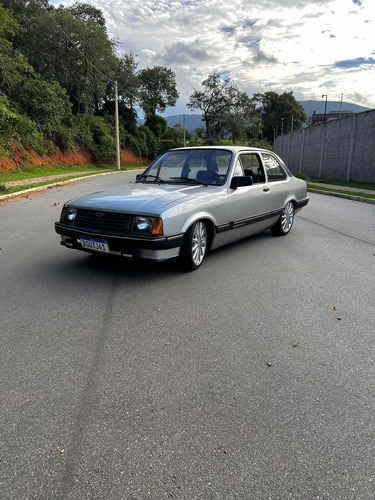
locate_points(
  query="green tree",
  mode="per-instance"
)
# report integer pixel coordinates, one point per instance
(46, 104)
(158, 90)
(239, 114)
(214, 102)
(63, 44)
(276, 112)
(255, 129)
(13, 65)
(129, 84)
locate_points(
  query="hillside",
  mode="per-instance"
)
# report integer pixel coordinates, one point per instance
(21, 157)
(318, 106)
(192, 122)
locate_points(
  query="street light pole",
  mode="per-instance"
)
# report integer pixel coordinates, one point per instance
(325, 107)
(282, 126)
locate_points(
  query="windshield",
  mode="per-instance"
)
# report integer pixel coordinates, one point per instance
(195, 166)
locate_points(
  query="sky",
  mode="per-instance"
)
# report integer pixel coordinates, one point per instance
(310, 47)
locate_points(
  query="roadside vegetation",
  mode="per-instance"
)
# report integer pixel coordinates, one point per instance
(58, 68)
(313, 181)
(34, 172)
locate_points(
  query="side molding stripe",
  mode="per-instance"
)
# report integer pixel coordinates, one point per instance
(251, 220)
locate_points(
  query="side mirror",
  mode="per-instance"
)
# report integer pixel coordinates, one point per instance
(241, 182)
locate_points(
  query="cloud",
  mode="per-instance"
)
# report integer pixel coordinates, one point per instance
(261, 57)
(184, 53)
(299, 45)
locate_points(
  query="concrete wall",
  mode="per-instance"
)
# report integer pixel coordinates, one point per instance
(342, 149)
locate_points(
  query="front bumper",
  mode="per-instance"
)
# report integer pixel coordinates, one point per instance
(152, 248)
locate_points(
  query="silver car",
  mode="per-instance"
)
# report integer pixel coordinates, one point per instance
(188, 201)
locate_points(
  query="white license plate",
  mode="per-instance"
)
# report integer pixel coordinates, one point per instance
(94, 244)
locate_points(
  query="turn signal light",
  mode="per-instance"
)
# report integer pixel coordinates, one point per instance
(157, 227)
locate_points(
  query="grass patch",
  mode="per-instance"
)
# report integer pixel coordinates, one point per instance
(30, 172)
(360, 194)
(40, 171)
(323, 180)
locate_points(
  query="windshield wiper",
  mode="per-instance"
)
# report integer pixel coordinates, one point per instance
(156, 177)
(194, 181)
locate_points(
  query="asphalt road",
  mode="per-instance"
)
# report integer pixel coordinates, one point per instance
(132, 381)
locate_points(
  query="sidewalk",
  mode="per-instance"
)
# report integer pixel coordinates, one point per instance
(328, 187)
(49, 180)
(37, 180)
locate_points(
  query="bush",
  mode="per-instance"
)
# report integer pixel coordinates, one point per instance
(14, 126)
(47, 105)
(151, 141)
(166, 145)
(128, 141)
(95, 134)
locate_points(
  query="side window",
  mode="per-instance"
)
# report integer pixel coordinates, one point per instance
(238, 170)
(252, 167)
(275, 171)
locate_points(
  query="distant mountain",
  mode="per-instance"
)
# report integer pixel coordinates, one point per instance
(192, 122)
(318, 106)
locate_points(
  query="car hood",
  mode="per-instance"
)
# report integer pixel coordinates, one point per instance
(139, 198)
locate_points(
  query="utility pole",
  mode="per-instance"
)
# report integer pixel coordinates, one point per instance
(184, 133)
(342, 95)
(325, 107)
(118, 167)
(292, 122)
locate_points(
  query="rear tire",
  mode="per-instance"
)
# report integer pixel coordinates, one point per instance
(194, 246)
(285, 222)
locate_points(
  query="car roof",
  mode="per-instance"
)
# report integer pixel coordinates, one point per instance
(233, 149)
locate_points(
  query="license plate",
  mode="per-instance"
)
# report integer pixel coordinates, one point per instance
(94, 244)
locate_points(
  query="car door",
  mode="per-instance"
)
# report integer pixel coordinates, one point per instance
(278, 180)
(250, 208)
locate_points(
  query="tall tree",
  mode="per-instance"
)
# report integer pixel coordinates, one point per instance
(214, 101)
(158, 90)
(13, 65)
(72, 47)
(129, 84)
(239, 114)
(277, 112)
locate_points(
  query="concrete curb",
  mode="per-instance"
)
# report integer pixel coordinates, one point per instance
(361, 199)
(26, 192)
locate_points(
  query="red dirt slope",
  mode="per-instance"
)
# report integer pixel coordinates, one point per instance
(20, 156)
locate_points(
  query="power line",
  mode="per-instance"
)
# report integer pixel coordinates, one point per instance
(79, 50)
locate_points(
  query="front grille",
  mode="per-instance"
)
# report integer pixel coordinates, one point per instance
(110, 222)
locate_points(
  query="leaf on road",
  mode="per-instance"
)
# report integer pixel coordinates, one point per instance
(62, 451)
(296, 345)
(334, 308)
(56, 204)
(168, 343)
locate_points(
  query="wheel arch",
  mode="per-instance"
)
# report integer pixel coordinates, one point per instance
(210, 224)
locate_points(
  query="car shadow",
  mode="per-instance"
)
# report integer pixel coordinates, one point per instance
(78, 265)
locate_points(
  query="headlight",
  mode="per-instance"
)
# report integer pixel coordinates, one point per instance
(148, 225)
(68, 214)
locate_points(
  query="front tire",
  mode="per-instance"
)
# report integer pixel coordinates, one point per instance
(194, 246)
(285, 221)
